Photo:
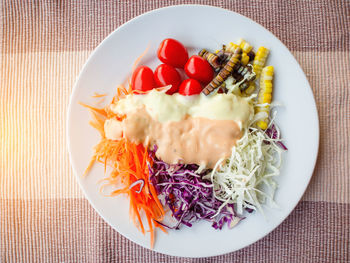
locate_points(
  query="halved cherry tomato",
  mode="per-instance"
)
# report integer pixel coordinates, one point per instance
(173, 53)
(167, 75)
(142, 79)
(198, 68)
(190, 87)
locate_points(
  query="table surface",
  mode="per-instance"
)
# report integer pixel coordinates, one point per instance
(44, 216)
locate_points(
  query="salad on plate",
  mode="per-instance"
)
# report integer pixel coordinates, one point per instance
(195, 139)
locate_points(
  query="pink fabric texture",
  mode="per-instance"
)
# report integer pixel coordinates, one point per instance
(44, 216)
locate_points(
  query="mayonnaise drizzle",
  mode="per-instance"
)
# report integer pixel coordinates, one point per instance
(163, 107)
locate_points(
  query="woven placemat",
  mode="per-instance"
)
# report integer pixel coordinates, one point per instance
(43, 214)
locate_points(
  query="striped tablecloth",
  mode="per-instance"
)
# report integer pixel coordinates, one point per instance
(43, 214)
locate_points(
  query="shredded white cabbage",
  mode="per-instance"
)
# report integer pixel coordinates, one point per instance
(247, 177)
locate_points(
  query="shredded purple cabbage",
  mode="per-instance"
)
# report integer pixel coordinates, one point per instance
(189, 196)
(273, 134)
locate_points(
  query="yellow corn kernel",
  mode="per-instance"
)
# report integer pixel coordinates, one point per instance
(244, 59)
(267, 98)
(268, 89)
(244, 45)
(260, 60)
(266, 82)
(262, 125)
(265, 94)
(231, 47)
(250, 89)
(269, 71)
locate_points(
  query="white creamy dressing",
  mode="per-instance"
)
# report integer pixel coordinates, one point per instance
(176, 107)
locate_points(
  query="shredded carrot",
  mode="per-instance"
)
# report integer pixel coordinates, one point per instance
(97, 110)
(165, 88)
(136, 63)
(129, 163)
(98, 95)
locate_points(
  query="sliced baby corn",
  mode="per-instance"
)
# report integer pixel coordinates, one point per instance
(260, 60)
(265, 94)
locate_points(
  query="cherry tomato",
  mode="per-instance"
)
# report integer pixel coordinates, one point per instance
(198, 68)
(190, 87)
(173, 53)
(142, 79)
(167, 75)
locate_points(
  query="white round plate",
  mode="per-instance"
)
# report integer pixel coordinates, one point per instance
(196, 27)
